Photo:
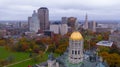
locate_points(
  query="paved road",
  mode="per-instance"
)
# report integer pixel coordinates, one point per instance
(18, 62)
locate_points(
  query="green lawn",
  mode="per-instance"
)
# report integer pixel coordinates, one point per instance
(25, 64)
(19, 56)
(31, 62)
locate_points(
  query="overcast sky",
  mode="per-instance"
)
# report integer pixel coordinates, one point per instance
(96, 9)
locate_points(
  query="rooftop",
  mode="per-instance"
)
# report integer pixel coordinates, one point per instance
(43, 8)
(105, 43)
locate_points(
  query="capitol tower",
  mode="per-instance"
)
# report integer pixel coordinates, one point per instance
(75, 48)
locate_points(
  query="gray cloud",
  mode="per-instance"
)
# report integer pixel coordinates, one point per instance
(96, 9)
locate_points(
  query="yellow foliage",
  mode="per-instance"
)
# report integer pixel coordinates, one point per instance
(112, 59)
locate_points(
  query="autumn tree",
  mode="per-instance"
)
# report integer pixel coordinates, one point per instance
(51, 48)
(112, 59)
(61, 49)
(99, 37)
(2, 42)
(104, 49)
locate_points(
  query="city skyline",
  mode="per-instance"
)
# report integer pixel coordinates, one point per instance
(96, 9)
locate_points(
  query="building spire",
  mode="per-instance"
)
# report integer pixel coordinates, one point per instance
(86, 17)
(86, 22)
(76, 25)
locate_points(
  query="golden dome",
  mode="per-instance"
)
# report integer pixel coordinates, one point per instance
(76, 36)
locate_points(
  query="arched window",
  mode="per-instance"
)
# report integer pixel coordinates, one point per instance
(78, 51)
(72, 51)
(75, 52)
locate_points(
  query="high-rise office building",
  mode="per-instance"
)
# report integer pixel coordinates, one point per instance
(64, 20)
(59, 28)
(55, 28)
(43, 15)
(34, 22)
(92, 26)
(71, 21)
(63, 29)
(29, 20)
(63, 26)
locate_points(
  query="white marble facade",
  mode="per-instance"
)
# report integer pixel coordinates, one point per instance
(75, 51)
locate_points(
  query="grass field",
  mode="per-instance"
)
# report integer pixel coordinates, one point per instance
(31, 62)
(20, 56)
(17, 55)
